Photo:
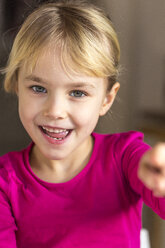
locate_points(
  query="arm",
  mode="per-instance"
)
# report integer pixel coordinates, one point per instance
(151, 170)
(136, 157)
(7, 223)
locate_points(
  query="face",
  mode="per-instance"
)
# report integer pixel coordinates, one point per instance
(60, 111)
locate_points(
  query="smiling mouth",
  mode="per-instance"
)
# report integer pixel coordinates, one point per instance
(55, 133)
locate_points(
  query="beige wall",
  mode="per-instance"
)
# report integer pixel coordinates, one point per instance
(121, 118)
(140, 26)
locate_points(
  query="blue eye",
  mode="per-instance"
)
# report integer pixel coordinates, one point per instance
(38, 89)
(78, 93)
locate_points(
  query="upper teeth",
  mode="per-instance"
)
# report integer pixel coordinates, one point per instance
(53, 130)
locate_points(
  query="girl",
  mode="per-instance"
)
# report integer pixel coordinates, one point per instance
(72, 187)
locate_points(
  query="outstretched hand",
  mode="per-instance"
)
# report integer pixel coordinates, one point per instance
(152, 169)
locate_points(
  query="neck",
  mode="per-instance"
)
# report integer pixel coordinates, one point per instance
(61, 170)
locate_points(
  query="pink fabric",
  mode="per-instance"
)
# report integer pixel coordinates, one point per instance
(99, 208)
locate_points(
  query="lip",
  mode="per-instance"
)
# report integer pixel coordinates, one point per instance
(51, 140)
(54, 127)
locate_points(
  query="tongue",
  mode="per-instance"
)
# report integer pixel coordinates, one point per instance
(61, 135)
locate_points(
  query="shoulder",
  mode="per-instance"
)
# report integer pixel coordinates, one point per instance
(10, 164)
(119, 140)
(118, 145)
(8, 160)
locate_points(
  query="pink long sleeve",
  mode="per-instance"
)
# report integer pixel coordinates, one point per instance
(99, 207)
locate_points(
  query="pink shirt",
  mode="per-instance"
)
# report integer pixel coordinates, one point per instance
(99, 208)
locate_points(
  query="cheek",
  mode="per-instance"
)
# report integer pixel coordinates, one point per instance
(87, 116)
(26, 110)
(24, 115)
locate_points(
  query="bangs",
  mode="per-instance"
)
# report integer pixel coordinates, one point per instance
(77, 54)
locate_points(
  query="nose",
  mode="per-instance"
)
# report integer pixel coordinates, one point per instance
(55, 107)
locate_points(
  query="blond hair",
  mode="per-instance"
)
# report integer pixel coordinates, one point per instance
(85, 35)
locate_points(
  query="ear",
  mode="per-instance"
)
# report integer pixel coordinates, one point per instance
(109, 99)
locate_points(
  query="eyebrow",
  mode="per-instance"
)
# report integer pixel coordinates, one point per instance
(76, 84)
(35, 79)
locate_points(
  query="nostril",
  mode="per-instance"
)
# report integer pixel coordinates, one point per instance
(54, 113)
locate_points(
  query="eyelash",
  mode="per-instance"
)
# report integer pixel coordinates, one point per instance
(83, 94)
(41, 90)
(38, 89)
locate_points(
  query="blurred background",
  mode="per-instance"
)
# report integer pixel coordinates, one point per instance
(140, 103)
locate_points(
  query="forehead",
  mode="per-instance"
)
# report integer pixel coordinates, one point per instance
(51, 55)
